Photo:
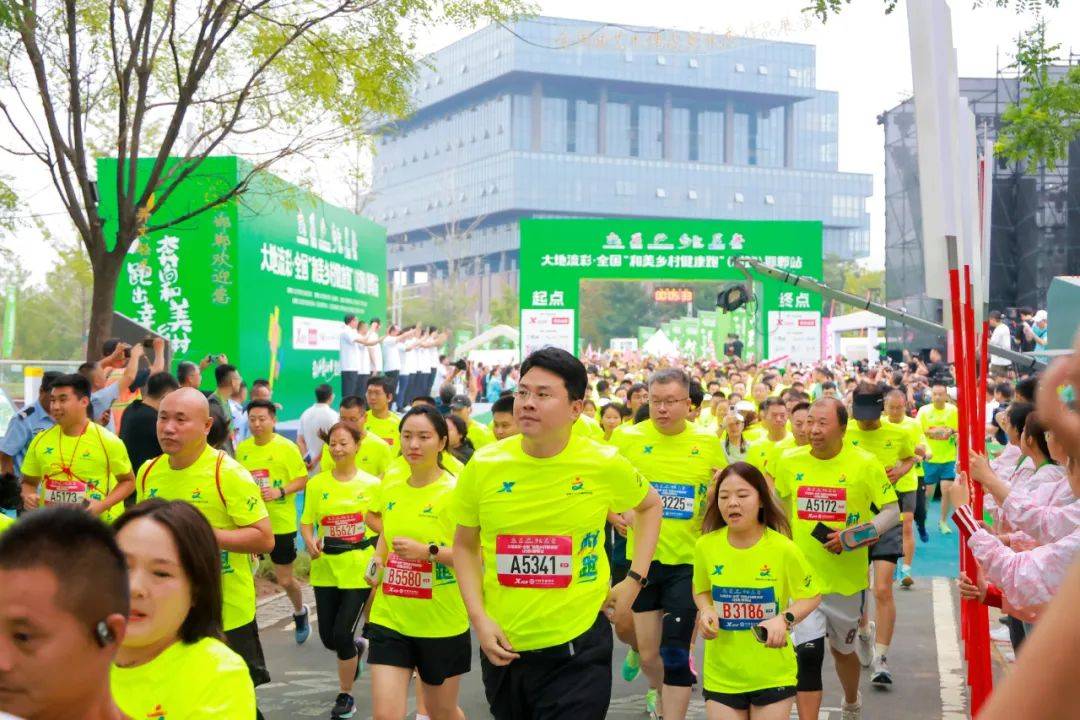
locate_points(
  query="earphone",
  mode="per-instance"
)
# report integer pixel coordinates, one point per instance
(103, 634)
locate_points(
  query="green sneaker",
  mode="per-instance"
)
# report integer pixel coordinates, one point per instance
(652, 700)
(631, 666)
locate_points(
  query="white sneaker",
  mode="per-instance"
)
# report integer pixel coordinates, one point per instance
(1000, 634)
(879, 674)
(853, 711)
(864, 645)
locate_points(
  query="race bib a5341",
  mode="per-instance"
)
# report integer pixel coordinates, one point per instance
(534, 561)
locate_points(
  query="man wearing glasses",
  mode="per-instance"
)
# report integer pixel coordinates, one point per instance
(679, 459)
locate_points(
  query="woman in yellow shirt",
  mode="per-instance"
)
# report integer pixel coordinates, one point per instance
(418, 619)
(173, 661)
(749, 578)
(336, 529)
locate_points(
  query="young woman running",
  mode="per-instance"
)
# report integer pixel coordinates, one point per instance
(749, 577)
(418, 619)
(339, 503)
(173, 660)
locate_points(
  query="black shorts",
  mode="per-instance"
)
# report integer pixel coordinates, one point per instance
(435, 659)
(572, 680)
(670, 588)
(890, 546)
(757, 698)
(284, 552)
(244, 641)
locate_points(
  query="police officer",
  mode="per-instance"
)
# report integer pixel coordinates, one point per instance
(26, 424)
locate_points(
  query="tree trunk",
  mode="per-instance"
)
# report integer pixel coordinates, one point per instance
(102, 301)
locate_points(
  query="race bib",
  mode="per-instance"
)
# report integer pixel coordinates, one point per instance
(827, 504)
(64, 492)
(348, 527)
(407, 578)
(534, 561)
(262, 478)
(743, 608)
(678, 500)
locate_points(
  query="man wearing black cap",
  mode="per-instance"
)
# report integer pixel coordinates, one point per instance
(895, 450)
(478, 434)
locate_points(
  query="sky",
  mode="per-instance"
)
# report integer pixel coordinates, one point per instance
(862, 54)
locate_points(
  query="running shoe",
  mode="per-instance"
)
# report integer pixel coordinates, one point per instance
(345, 707)
(652, 703)
(303, 627)
(852, 711)
(944, 528)
(631, 666)
(923, 535)
(864, 645)
(879, 674)
(906, 581)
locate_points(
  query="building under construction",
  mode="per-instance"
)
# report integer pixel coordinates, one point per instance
(1035, 217)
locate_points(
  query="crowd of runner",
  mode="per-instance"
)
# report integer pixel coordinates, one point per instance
(764, 511)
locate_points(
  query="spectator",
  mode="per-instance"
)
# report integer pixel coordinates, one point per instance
(314, 422)
(999, 338)
(140, 433)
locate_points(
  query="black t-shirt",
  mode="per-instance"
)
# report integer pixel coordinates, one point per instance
(139, 433)
(737, 347)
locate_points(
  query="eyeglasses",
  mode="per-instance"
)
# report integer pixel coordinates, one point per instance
(667, 403)
(523, 395)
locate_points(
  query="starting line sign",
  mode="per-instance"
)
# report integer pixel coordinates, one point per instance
(557, 254)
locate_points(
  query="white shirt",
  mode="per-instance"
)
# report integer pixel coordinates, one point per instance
(391, 358)
(319, 416)
(363, 353)
(1002, 339)
(411, 364)
(375, 351)
(350, 351)
(432, 357)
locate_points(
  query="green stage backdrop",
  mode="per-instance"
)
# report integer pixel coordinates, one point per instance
(556, 254)
(265, 278)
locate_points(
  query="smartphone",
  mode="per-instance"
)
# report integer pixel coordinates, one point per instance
(148, 343)
(858, 535)
(760, 634)
(821, 532)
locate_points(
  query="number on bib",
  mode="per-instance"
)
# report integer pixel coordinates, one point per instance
(678, 500)
(348, 527)
(262, 478)
(64, 492)
(743, 608)
(827, 504)
(407, 578)
(534, 561)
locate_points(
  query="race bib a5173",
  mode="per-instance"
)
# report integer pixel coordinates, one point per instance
(64, 492)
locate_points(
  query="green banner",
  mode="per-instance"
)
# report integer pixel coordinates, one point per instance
(644, 332)
(7, 343)
(557, 254)
(266, 279)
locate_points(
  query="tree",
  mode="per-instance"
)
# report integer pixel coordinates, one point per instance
(506, 308)
(849, 276)
(825, 9)
(270, 79)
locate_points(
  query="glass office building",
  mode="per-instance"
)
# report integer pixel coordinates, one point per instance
(1034, 218)
(562, 118)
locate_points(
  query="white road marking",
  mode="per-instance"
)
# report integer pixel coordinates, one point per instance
(949, 658)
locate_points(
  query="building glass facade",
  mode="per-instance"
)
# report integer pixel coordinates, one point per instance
(582, 119)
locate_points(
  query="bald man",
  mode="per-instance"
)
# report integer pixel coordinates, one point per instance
(226, 494)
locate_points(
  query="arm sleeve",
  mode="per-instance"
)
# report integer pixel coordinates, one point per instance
(464, 505)
(1026, 578)
(628, 487)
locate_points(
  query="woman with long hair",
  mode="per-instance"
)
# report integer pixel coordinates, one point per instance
(173, 659)
(418, 619)
(459, 444)
(751, 586)
(336, 529)
(612, 416)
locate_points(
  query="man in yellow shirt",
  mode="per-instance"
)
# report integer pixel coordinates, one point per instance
(940, 421)
(895, 450)
(76, 461)
(896, 414)
(762, 453)
(222, 490)
(478, 434)
(832, 484)
(380, 419)
(374, 455)
(279, 470)
(528, 550)
(679, 460)
(503, 424)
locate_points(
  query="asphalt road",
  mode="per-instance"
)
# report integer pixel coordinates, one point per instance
(924, 659)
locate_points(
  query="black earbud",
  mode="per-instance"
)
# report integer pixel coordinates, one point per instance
(103, 634)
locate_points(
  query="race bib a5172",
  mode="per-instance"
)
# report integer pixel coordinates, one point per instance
(826, 504)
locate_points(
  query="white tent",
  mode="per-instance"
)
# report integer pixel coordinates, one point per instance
(660, 345)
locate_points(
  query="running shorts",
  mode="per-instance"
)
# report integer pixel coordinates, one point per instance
(244, 641)
(435, 659)
(907, 500)
(936, 472)
(757, 698)
(841, 614)
(670, 588)
(284, 552)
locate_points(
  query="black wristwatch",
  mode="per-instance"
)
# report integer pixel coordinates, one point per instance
(642, 581)
(282, 493)
(789, 618)
(433, 552)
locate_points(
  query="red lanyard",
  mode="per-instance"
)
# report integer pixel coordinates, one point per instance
(66, 467)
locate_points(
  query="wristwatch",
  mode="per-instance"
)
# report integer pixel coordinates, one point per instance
(642, 581)
(789, 618)
(433, 552)
(282, 493)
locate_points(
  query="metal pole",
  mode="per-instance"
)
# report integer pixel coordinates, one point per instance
(801, 281)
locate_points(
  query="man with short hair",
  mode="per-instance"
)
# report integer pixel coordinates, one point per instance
(373, 454)
(139, 435)
(940, 424)
(227, 384)
(93, 471)
(64, 604)
(679, 459)
(763, 453)
(528, 551)
(833, 483)
(1000, 337)
(800, 420)
(380, 419)
(478, 435)
(391, 354)
(503, 424)
(223, 491)
(279, 470)
(189, 374)
(317, 419)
